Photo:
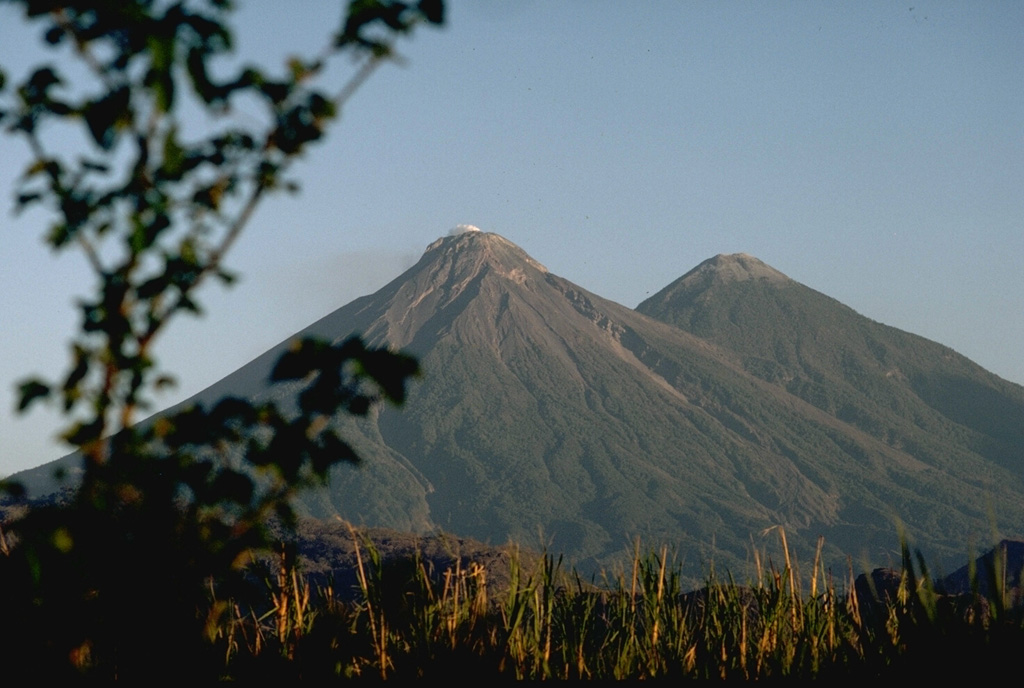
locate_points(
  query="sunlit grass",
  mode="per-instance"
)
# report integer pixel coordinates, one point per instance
(411, 621)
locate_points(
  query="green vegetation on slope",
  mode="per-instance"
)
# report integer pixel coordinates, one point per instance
(941, 430)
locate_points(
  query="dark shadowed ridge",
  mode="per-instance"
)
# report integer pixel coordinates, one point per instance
(996, 573)
(551, 416)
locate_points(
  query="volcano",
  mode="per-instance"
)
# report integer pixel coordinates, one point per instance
(734, 401)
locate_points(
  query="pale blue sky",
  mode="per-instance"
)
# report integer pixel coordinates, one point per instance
(873, 151)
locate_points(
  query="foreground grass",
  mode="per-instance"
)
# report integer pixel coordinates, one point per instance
(410, 621)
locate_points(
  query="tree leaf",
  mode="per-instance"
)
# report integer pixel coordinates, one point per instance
(103, 115)
(29, 391)
(432, 10)
(173, 155)
(82, 433)
(12, 488)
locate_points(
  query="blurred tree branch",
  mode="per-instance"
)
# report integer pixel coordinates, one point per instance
(155, 209)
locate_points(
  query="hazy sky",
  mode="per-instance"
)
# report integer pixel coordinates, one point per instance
(872, 150)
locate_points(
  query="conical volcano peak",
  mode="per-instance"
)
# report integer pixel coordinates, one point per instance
(736, 267)
(724, 270)
(467, 244)
(464, 269)
(733, 401)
